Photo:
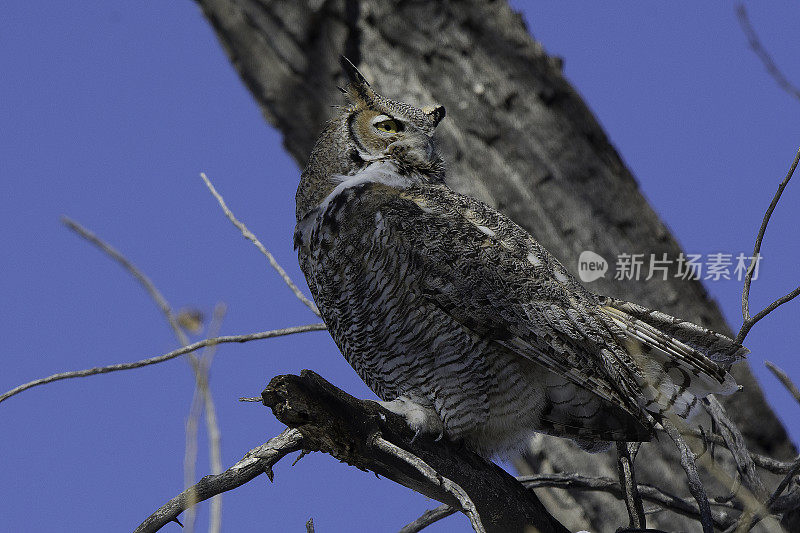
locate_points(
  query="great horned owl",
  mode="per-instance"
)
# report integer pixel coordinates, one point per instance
(458, 319)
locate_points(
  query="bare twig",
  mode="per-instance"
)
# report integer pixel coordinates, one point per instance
(783, 484)
(650, 493)
(688, 464)
(627, 479)
(747, 521)
(788, 502)
(202, 392)
(434, 477)
(145, 281)
(252, 238)
(427, 518)
(202, 402)
(748, 321)
(734, 441)
(761, 461)
(755, 43)
(784, 378)
(161, 358)
(257, 461)
(753, 491)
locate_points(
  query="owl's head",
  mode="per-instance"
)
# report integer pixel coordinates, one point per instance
(376, 123)
(370, 128)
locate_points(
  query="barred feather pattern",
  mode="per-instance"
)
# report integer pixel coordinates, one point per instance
(436, 297)
(439, 300)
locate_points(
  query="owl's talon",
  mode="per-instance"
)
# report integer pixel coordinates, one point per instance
(422, 420)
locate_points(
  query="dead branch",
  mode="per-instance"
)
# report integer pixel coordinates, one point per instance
(432, 476)
(161, 358)
(734, 441)
(765, 57)
(252, 238)
(688, 464)
(334, 422)
(202, 392)
(775, 496)
(202, 402)
(361, 433)
(627, 479)
(774, 503)
(427, 518)
(140, 276)
(748, 321)
(688, 508)
(762, 461)
(784, 378)
(257, 461)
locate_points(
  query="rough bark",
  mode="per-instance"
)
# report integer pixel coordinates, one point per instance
(333, 422)
(518, 137)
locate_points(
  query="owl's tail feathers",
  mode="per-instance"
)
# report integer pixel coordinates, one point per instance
(681, 362)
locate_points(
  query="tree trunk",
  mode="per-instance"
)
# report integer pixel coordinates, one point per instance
(516, 136)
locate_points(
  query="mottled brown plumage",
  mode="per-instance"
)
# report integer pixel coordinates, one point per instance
(458, 318)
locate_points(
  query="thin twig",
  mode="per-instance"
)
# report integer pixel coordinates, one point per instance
(748, 502)
(755, 43)
(761, 461)
(427, 518)
(202, 392)
(434, 477)
(748, 321)
(252, 238)
(650, 493)
(784, 379)
(212, 428)
(161, 358)
(257, 461)
(783, 484)
(627, 480)
(747, 521)
(753, 489)
(788, 502)
(688, 464)
(202, 402)
(145, 281)
(734, 441)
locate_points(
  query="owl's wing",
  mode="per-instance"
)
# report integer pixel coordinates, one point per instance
(494, 279)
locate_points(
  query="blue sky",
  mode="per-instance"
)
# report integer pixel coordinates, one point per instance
(111, 111)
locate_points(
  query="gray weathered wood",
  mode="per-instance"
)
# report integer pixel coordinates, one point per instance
(334, 422)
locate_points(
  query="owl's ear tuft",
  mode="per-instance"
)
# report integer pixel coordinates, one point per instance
(352, 72)
(435, 113)
(358, 90)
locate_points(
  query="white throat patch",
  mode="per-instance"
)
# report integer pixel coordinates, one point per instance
(384, 172)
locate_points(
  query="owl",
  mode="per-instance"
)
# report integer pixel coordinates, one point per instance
(458, 319)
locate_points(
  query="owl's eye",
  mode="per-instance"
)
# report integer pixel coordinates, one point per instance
(389, 126)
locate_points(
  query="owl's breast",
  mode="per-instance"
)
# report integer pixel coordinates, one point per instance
(363, 288)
